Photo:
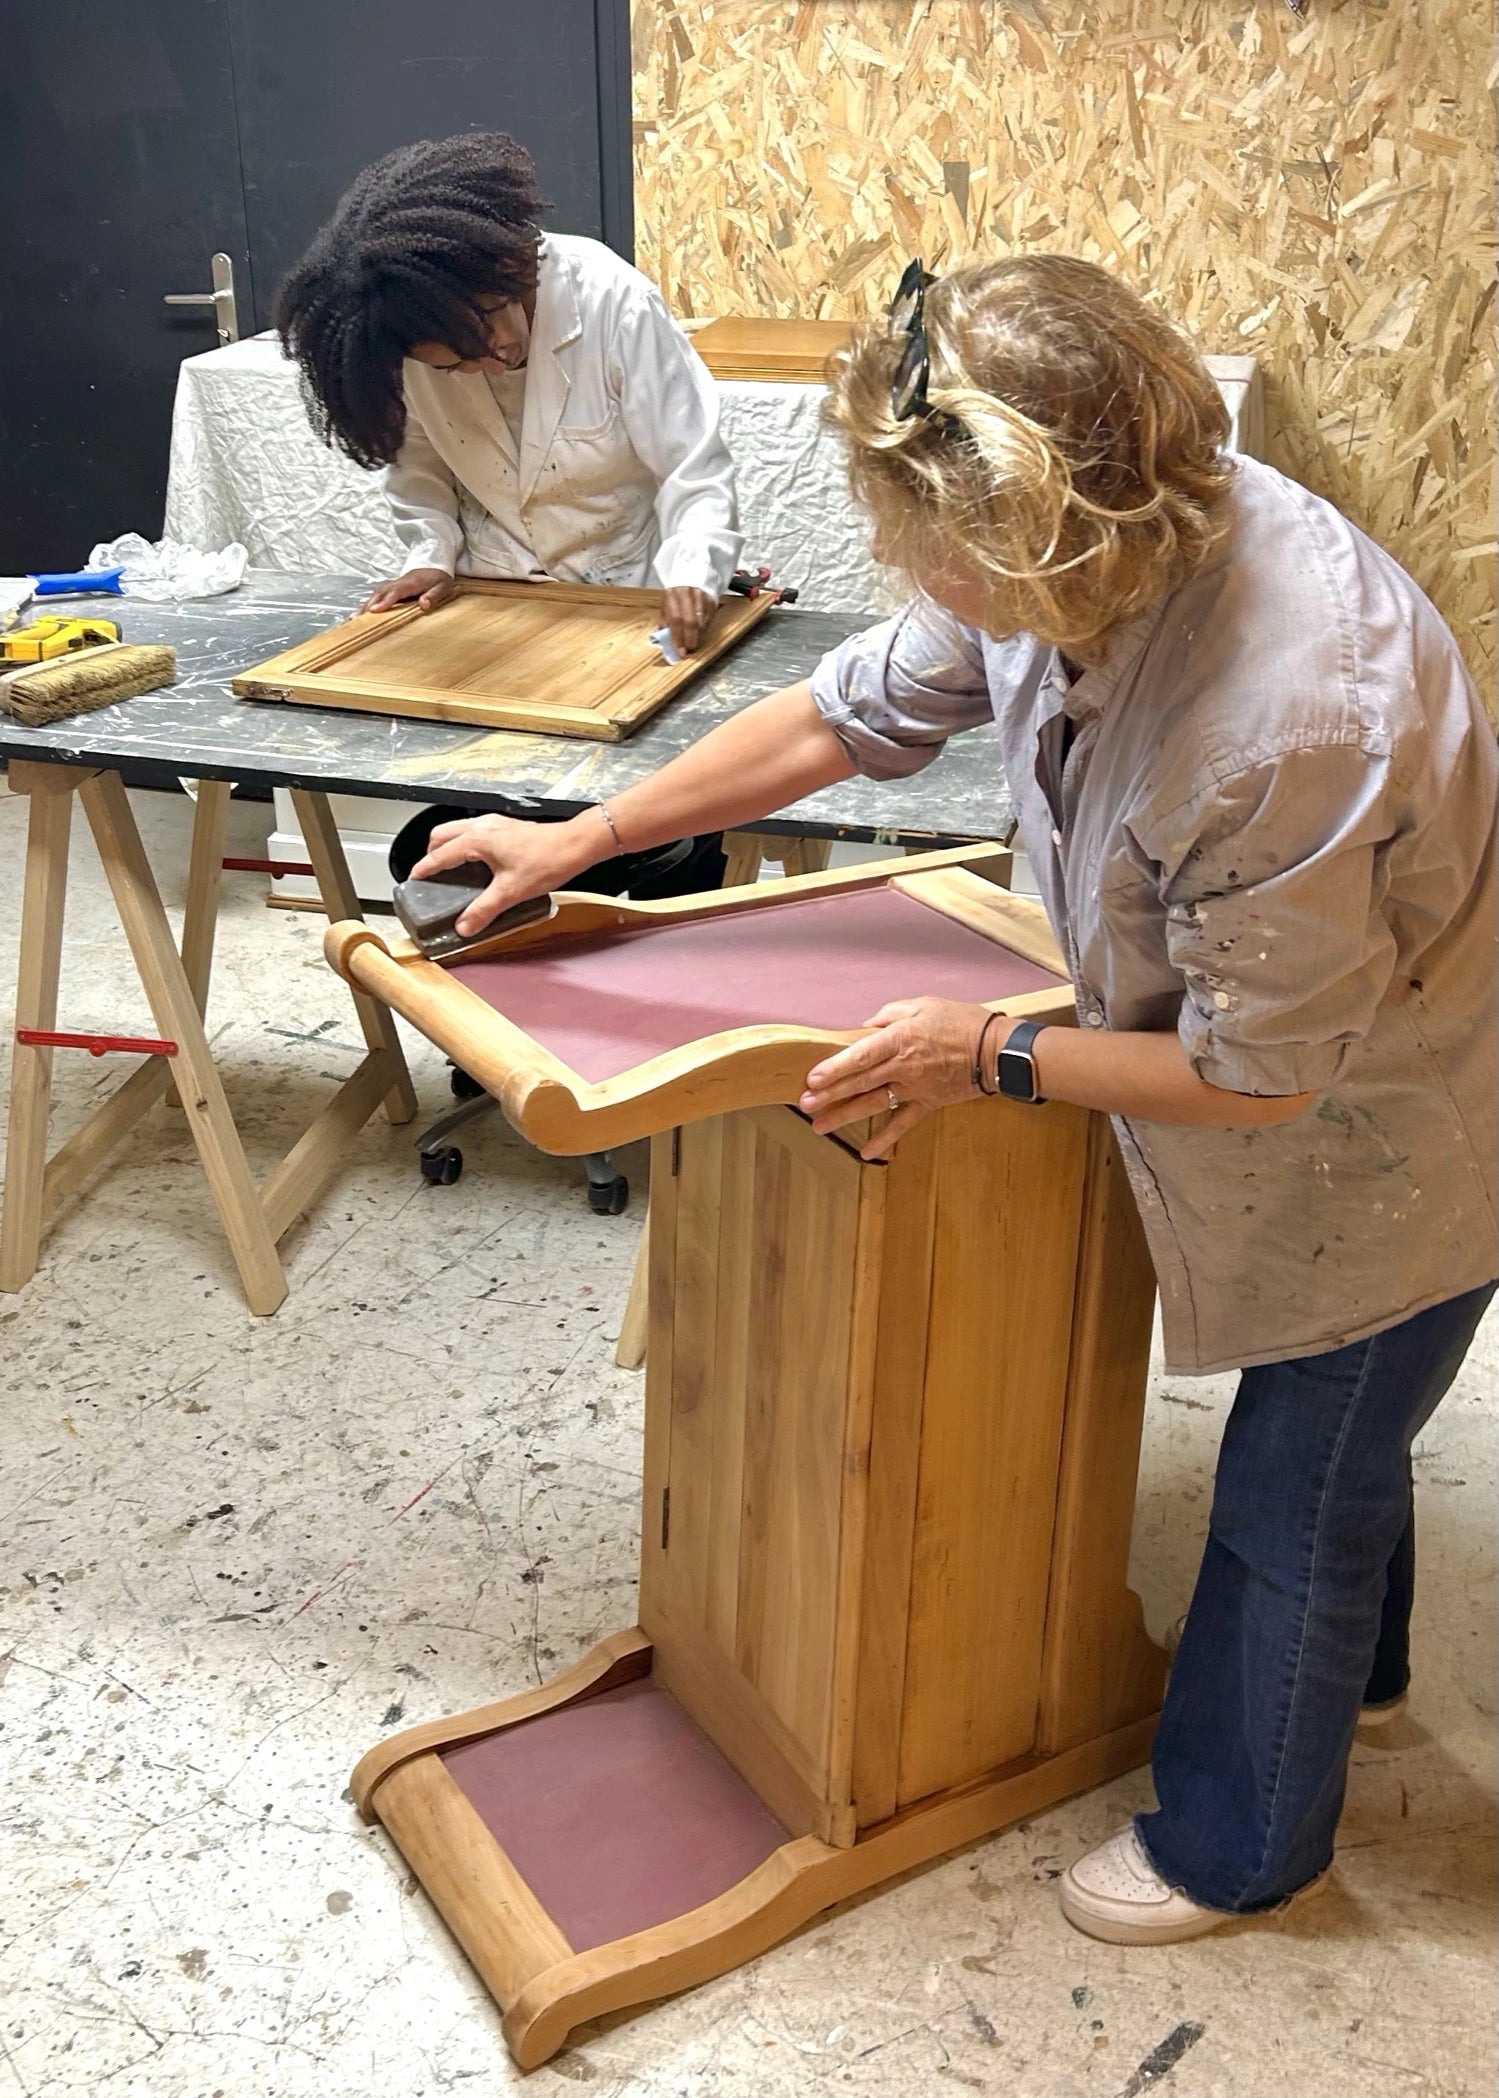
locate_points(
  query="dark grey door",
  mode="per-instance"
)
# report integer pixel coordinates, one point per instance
(138, 139)
(119, 178)
(326, 86)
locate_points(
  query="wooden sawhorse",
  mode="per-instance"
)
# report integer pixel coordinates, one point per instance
(175, 980)
(746, 851)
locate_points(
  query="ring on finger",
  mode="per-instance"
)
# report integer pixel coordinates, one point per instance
(895, 1105)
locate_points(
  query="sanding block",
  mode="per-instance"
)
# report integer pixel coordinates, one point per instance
(428, 909)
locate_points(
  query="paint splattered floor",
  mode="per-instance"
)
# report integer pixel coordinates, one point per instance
(233, 1553)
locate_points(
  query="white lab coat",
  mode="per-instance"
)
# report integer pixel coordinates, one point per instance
(622, 476)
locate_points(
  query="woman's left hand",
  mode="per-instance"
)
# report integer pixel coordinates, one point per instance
(685, 613)
(919, 1058)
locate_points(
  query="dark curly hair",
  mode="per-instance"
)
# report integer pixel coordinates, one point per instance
(421, 236)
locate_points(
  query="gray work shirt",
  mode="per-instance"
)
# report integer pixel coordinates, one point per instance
(1273, 831)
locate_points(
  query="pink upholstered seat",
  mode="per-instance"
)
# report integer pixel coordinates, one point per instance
(605, 1004)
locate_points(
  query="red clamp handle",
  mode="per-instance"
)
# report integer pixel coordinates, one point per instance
(743, 584)
(96, 1044)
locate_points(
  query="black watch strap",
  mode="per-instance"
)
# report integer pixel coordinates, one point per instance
(1015, 1072)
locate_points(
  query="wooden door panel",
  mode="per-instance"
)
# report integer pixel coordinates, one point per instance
(570, 659)
(799, 1286)
(903, 1288)
(1102, 1670)
(743, 1599)
(693, 1399)
(732, 1332)
(1008, 1207)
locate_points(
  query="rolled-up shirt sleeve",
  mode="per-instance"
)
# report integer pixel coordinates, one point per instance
(670, 406)
(893, 694)
(1272, 888)
(423, 498)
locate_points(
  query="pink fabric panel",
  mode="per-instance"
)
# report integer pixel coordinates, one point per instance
(617, 1813)
(608, 1003)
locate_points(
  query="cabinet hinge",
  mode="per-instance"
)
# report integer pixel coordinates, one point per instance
(665, 1515)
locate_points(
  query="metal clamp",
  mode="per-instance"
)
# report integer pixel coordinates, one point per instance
(758, 584)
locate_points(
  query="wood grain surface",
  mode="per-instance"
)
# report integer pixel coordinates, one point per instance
(750, 347)
(1312, 185)
(568, 659)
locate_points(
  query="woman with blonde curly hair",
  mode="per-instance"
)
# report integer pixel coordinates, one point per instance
(1258, 791)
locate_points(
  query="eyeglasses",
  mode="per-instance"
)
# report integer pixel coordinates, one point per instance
(913, 370)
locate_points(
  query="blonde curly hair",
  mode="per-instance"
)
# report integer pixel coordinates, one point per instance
(1075, 464)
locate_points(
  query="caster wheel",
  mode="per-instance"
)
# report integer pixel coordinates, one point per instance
(461, 1086)
(610, 1199)
(441, 1168)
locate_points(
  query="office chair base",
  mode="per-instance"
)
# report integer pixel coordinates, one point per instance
(442, 1162)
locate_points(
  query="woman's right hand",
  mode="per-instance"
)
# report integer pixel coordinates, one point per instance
(430, 587)
(526, 859)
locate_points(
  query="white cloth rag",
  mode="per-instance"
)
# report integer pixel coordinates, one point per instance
(170, 570)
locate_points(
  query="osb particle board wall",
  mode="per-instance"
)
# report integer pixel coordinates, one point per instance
(1314, 189)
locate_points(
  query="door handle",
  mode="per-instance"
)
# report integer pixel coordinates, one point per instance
(221, 299)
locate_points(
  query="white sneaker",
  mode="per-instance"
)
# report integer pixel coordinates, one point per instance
(1368, 1715)
(1381, 1714)
(1116, 1894)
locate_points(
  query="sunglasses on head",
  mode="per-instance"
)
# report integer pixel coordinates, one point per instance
(913, 369)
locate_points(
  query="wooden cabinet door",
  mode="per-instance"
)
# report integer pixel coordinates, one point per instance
(980, 1260)
(757, 1440)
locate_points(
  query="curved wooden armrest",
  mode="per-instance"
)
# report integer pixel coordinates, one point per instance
(758, 1064)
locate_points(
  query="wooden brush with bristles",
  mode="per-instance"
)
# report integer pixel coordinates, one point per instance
(95, 677)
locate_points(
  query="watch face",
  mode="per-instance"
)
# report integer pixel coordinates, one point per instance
(1017, 1075)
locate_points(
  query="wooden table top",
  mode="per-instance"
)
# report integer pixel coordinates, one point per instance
(197, 729)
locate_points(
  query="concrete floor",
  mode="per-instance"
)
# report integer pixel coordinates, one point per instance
(235, 1552)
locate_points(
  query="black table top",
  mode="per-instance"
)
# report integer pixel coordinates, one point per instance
(197, 729)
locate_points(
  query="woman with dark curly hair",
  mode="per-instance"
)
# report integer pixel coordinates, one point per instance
(536, 409)
(1257, 789)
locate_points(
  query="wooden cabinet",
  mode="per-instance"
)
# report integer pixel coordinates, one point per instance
(858, 1392)
(892, 1426)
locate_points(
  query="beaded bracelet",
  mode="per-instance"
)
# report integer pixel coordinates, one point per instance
(619, 843)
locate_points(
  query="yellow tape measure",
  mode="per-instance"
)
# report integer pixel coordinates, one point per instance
(55, 636)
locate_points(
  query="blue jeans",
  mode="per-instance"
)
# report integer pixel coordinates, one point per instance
(1301, 1610)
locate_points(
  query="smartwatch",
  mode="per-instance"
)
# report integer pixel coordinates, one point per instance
(1015, 1070)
